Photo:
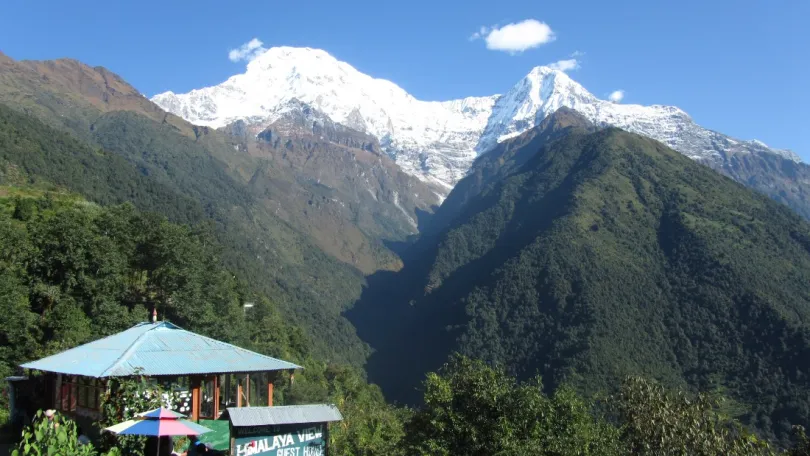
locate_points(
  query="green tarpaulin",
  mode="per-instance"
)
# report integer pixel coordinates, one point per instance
(220, 435)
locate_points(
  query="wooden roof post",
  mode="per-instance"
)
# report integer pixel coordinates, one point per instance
(326, 438)
(196, 400)
(270, 379)
(57, 392)
(216, 396)
(228, 390)
(238, 392)
(247, 391)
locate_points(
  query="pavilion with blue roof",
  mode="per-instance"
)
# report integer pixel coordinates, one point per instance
(78, 377)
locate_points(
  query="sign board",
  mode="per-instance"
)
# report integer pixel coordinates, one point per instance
(303, 439)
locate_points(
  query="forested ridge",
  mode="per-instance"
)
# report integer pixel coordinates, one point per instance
(607, 254)
(148, 164)
(33, 154)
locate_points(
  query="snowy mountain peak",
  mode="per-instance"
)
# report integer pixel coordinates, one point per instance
(436, 141)
(549, 77)
(538, 94)
(298, 54)
(549, 80)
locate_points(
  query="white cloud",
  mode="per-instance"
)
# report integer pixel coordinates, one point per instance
(576, 54)
(482, 32)
(516, 37)
(616, 96)
(565, 65)
(247, 51)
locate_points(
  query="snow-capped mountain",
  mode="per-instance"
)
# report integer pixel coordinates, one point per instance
(435, 141)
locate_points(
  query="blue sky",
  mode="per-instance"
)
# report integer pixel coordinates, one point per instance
(738, 66)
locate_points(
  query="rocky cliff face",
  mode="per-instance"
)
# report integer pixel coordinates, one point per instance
(335, 182)
(296, 119)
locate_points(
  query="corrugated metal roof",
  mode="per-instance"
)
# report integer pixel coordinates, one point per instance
(288, 414)
(156, 349)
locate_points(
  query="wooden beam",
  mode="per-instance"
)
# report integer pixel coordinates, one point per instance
(326, 438)
(228, 390)
(269, 391)
(216, 396)
(57, 393)
(239, 392)
(195, 397)
(247, 393)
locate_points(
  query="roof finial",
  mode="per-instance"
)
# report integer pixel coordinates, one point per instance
(154, 314)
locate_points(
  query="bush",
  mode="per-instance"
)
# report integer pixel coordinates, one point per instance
(56, 437)
(127, 398)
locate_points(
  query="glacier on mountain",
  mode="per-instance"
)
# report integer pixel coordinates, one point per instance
(435, 141)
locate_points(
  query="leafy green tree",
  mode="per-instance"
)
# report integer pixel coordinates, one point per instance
(23, 208)
(53, 437)
(19, 332)
(369, 426)
(801, 446)
(474, 409)
(659, 422)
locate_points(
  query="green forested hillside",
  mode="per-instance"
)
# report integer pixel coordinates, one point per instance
(33, 154)
(263, 248)
(608, 254)
(303, 223)
(150, 165)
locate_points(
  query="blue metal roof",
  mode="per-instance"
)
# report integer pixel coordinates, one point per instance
(154, 349)
(287, 414)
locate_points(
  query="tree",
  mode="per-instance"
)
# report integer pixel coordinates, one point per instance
(369, 426)
(474, 409)
(801, 446)
(658, 422)
(23, 208)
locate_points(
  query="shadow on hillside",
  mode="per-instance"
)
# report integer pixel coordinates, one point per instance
(412, 332)
(380, 317)
(401, 335)
(423, 220)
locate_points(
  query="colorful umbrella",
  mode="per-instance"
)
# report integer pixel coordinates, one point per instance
(160, 422)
